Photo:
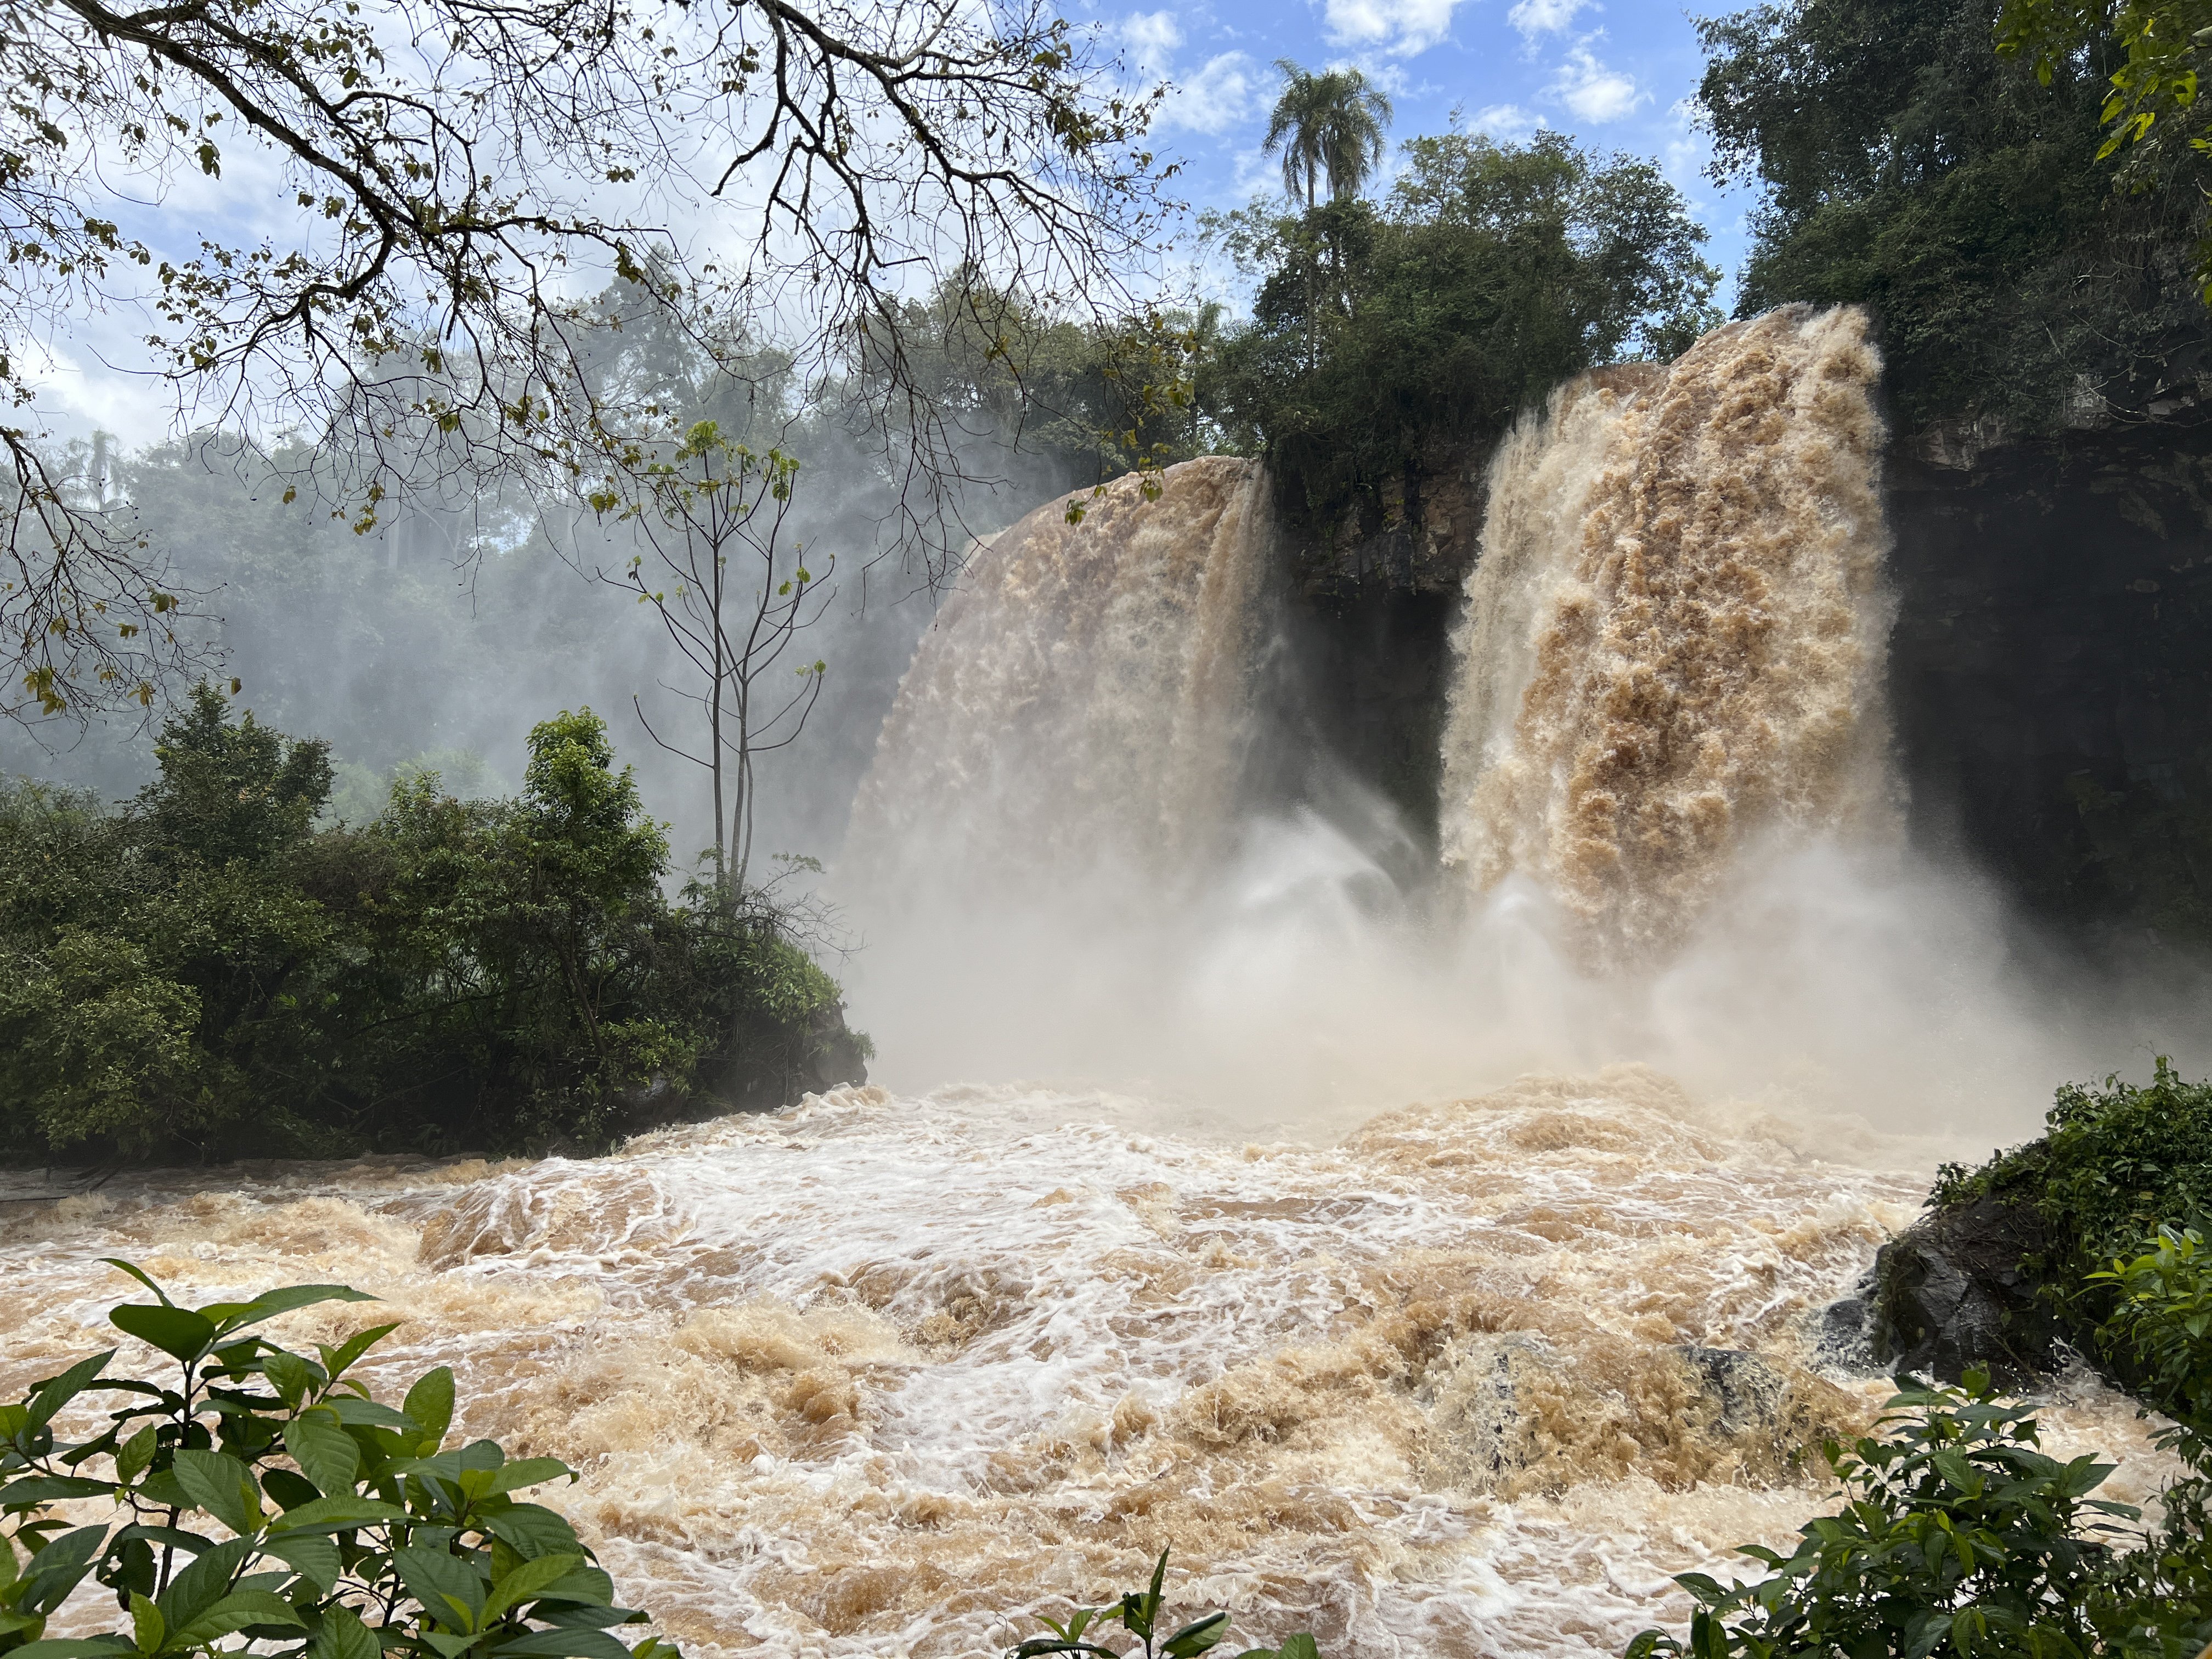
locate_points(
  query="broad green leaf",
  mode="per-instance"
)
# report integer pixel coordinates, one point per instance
(527, 1472)
(52, 1489)
(352, 1410)
(219, 1484)
(1197, 1636)
(1300, 1646)
(581, 1584)
(90, 1647)
(451, 1646)
(343, 1636)
(147, 1625)
(325, 1453)
(311, 1555)
(175, 1331)
(132, 1456)
(449, 1588)
(236, 1612)
(338, 1360)
(289, 1374)
(567, 1642)
(57, 1392)
(531, 1530)
(204, 1583)
(430, 1403)
(523, 1583)
(57, 1568)
(337, 1515)
(269, 1304)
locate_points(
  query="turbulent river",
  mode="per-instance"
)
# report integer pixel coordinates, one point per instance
(873, 1375)
(893, 1373)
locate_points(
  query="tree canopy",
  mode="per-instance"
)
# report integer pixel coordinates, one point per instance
(1907, 166)
(466, 181)
(1327, 126)
(1489, 273)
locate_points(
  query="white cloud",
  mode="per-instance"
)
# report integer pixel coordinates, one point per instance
(1535, 17)
(1214, 99)
(1152, 38)
(1400, 27)
(1594, 92)
(1509, 123)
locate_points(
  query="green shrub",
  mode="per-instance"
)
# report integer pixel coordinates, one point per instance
(265, 1501)
(204, 971)
(2116, 1164)
(1139, 1612)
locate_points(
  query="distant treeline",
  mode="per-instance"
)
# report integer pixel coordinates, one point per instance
(203, 973)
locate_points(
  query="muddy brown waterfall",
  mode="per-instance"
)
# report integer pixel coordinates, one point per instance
(1674, 639)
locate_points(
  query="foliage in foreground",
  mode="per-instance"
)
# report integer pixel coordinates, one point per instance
(1959, 1538)
(265, 1501)
(1139, 1612)
(203, 972)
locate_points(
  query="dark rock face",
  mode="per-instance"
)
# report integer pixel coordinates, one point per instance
(2050, 672)
(1949, 1294)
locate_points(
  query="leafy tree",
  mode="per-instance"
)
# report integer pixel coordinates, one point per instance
(203, 970)
(1490, 273)
(2160, 48)
(441, 168)
(1907, 167)
(1327, 126)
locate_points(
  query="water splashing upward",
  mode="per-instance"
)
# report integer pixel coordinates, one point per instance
(1674, 633)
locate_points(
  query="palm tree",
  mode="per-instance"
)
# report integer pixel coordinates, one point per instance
(1327, 126)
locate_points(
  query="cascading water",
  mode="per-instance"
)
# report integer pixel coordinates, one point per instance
(1674, 633)
(1084, 697)
(1471, 1378)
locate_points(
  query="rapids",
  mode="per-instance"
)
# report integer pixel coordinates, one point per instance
(870, 1376)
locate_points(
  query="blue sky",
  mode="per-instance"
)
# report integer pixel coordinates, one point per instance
(1619, 76)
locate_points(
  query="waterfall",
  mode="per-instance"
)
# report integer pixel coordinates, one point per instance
(1083, 701)
(1673, 637)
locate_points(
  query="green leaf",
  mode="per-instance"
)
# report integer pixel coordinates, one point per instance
(147, 1625)
(339, 1360)
(236, 1612)
(343, 1636)
(289, 1374)
(430, 1403)
(132, 1456)
(367, 1413)
(58, 1568)
(219, 1484)
(531, 1530)
(449, 1590)
(337, 1515)
(269, 1304)
(1197, 1636)
(581, 1584)
(524, 1583)
(90, 1647)
(59, 1391)
(526, 1472)
(52, 1489)
(311, 1555)
(177, 1332)
(325, 1453)
(566, 1642)
(1300, 1646)
(202, 1583)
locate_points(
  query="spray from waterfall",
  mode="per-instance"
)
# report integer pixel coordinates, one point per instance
(1674, 633)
